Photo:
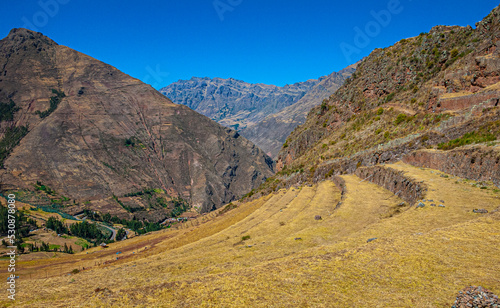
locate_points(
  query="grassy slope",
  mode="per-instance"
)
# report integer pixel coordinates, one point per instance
(422, 257)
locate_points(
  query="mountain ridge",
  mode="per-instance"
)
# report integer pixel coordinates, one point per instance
(251, 107)
(99, 114)
(223, 100)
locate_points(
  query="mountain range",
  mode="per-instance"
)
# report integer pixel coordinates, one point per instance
(264, 114)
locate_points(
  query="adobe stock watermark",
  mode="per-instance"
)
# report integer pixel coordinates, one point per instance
(223, 6)
(373, 28)
(48, 9)
(11, 240)
(157, 76)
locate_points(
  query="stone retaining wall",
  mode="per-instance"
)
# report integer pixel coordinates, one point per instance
(478, 163)
(395, 181)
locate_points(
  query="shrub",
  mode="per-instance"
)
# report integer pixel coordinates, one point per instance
(390, 97)
(120, 234)
(401, 118)
(312, 170)
(246, 237)
(7, 111)
(129, 142)
(380, 111)
(324, 106)
(329, 173)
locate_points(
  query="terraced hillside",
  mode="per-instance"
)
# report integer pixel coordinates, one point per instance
(347, 244)
(436, 90)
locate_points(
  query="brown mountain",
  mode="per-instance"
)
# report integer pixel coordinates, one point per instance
(97, 137)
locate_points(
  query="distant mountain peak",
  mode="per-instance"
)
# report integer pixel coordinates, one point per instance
(20, 35)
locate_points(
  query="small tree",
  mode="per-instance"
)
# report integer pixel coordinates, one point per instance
(20, 248)
(121, 234)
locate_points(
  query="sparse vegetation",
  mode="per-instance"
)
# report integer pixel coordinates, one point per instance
(7, 111)
(468, 138)
(39, 186)
(400, 118)
(10, 140)
(54, 102)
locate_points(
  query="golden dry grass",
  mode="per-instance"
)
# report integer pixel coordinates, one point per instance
(455, 94)
(422, 257)
(492, 87)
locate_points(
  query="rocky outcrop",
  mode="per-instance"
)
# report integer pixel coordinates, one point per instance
(395, 181)
(476, 297)
(478, 163)
(112, 135)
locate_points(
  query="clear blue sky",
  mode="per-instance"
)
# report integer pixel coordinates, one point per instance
(268, 41)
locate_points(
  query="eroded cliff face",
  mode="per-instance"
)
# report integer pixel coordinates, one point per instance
(111, 134)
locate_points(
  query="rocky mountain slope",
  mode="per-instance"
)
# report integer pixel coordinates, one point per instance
(270, 133)
(234, 103)
(96, 137)
(438, 90)
(264, 114)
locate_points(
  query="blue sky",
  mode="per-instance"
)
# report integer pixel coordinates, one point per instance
(269, 41)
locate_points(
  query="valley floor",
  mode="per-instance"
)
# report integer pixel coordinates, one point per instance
(277, 252)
